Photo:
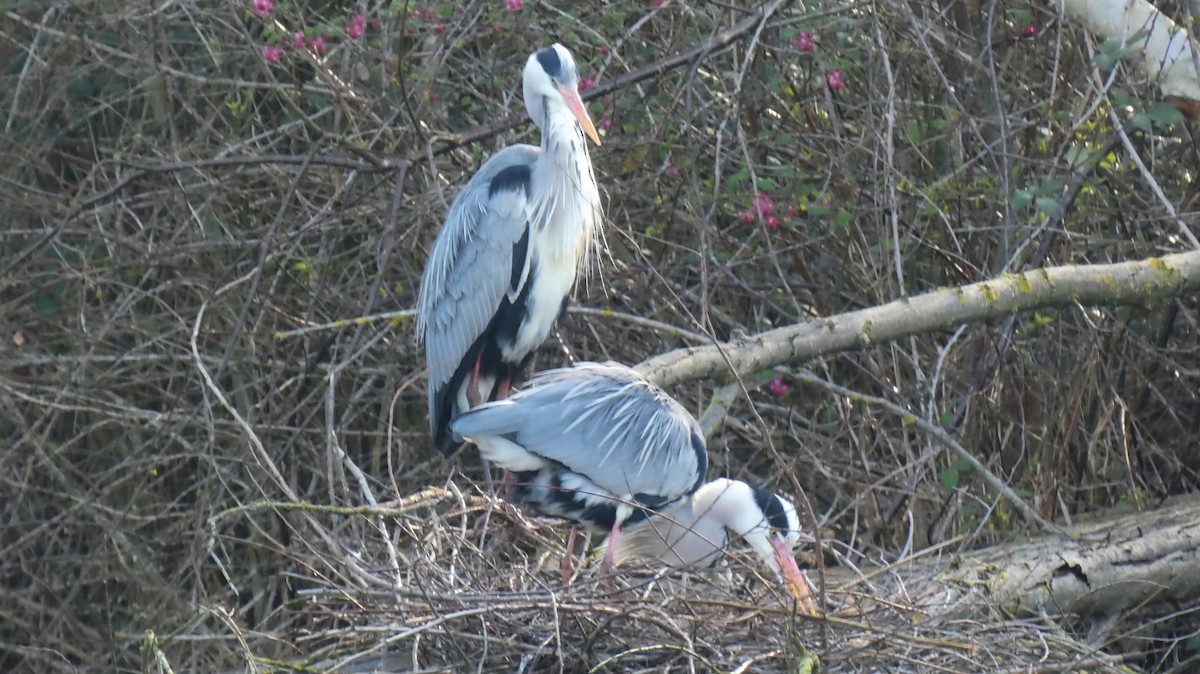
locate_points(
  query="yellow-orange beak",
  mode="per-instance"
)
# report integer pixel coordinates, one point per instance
(793, 577)
(575, 105)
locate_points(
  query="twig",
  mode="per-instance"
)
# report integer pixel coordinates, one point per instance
(656, 69)
(651, 649)
(397, 316)
(422, 499)
(1136, 158)
(943, 437)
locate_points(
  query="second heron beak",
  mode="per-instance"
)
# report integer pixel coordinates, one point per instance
(575, 105)
(796, 583)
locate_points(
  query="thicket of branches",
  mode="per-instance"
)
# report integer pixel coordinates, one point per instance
(189, 210)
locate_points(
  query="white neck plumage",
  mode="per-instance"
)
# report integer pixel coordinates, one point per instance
(569, 209)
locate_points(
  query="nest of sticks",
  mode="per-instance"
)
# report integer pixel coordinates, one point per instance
(446, 581)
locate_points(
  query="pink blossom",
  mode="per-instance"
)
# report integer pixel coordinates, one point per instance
(1029, 31)
(835, 80)
(670, 170)
(298, 40)
(514, 5)
(272, 53)
(804, 41)
(763, 203)
(439, 27)
(657, 3)
(317, 44)
(262, 8)
(793, 212)
(604, 50)
(356, 26)
(771, 222)
(416, 12)
(604, 124)
(431, 96)
(746, 217)
(778, 387)
(496, 30)
(586, 83)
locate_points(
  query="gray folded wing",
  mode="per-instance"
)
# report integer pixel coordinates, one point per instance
(605, 422)
(475, 263)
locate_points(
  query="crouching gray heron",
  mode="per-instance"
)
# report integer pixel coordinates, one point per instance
(601, 446)
(696, 532)
(507, 256)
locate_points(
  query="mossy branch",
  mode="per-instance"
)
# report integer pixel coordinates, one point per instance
(1090, 285)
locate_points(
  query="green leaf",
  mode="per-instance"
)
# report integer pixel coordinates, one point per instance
(1164, 114)
(1047, 205)
(947, 419)
(766, 184)
(738, 178)
(1021, 199)
(1105, 62)
(1077, 156)
(843, 218)
(1121, 98)
(48, 305)
(914, 132)
(1050, 187)
(962, 466)
(948, 478)
(1112, 47)
(1142, 121)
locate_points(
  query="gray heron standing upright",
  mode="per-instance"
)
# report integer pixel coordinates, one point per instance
(599, 445)
(508, 254)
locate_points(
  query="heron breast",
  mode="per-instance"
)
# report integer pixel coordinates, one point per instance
(550, 281)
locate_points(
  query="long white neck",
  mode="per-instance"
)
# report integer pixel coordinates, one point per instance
(676, 537)
(731, 504)
(695, 531)
(569, 201)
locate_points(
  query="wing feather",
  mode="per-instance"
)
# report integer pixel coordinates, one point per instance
(475, 263)
(604, 422)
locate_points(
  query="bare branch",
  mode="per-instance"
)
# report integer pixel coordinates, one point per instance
(1107, 284)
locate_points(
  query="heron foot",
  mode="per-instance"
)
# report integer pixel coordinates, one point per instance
(610, 553)
(568, 561)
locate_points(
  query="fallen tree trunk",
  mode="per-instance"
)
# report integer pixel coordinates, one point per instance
(1100, 569)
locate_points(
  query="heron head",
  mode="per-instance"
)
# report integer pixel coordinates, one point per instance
(767, 522)
(777, 533)
(551, 77)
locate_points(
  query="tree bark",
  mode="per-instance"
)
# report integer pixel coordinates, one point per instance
(1165, 50)
(1104, 567)
(1107, 284)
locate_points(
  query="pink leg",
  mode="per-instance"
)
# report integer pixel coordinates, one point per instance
(610, 553)
(473, 400)
(568, 562)
(473, 397)
(506, 479)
